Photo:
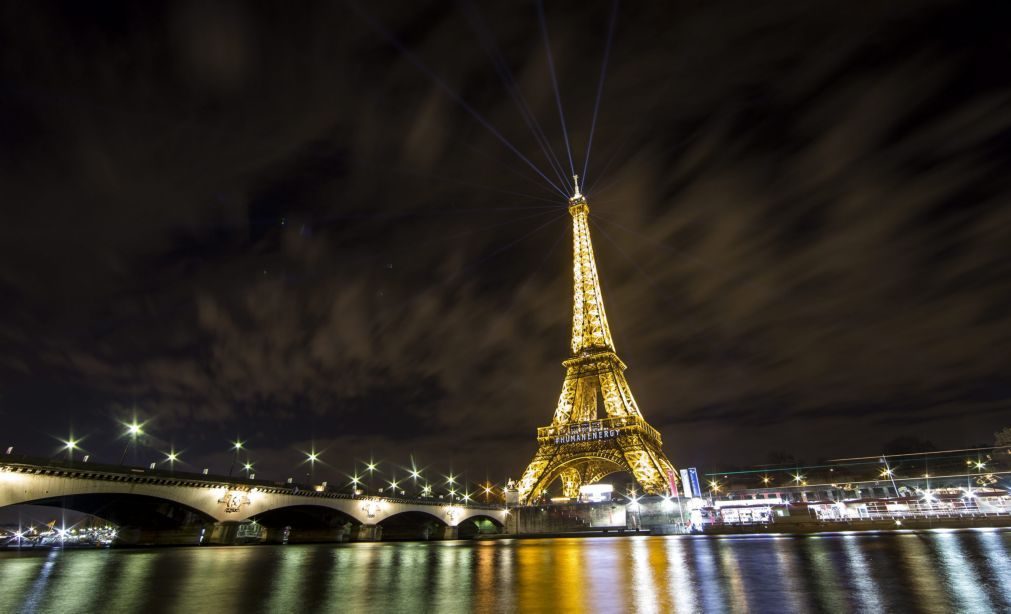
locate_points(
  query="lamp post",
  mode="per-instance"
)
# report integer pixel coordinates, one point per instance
(371, 467)
(236, 447)
(133, 430)
(714, 487)
(414, 474)
(311, 457)
(172, 456)
(451, 481)
(70, 445)
(890, 474)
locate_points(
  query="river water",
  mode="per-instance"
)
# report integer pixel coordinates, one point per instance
(932, 571)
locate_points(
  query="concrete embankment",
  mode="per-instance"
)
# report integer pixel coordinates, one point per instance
(804, 526)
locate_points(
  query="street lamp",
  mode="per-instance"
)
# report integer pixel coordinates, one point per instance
(415, 476)
(172, 456)
(237, 447)
(70, 444)
(133, 430)
(311, 457)
(248, 466)
(714, 487)
(356, 481)
(372, 466)
(889, 473)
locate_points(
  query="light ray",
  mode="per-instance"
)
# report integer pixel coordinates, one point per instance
(487, 40)
(600, 83)
(554, 81)
(512, 243)
(414, 59)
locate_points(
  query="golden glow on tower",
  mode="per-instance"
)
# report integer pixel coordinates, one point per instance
(589, 322)
(579, 447)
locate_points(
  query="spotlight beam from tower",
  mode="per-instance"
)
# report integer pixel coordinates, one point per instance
(416, 61)
(487, 40)
(554, 80)
(600, 83)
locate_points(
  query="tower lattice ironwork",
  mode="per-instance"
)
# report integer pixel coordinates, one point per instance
(579, 447)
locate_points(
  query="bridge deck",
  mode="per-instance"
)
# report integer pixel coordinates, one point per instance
(162, 477)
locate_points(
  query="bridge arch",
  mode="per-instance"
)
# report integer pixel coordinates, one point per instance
(304, 523)
(479, 524)
(411, 525)
(126, 509)
(305, 515)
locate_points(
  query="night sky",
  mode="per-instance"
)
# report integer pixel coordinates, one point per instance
(287, 223)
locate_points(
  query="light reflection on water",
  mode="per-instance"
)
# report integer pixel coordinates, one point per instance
(867, 591)
(998, 565)
(961, 573)
(931, 571)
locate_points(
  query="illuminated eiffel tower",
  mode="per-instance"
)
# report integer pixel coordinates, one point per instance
(579, 447)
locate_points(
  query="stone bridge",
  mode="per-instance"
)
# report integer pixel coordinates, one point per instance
(158, 506)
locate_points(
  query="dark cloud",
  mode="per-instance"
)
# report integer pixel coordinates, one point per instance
(248, 220)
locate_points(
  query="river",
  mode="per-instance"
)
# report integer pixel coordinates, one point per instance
(932, 571)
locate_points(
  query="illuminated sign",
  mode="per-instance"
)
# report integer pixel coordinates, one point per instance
(585, 431)
(589, 436)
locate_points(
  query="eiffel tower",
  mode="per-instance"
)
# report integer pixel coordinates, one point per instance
(579, 447)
